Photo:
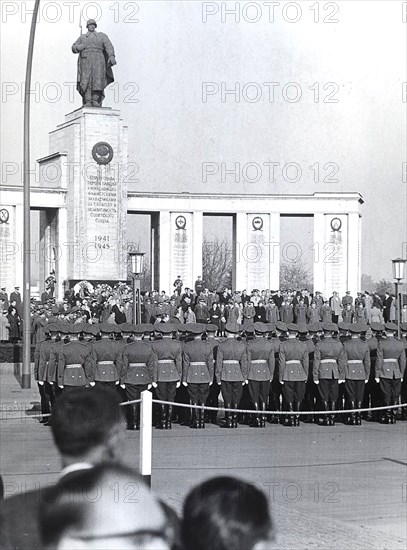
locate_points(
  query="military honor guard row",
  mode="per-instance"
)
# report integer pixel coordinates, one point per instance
(261, 367)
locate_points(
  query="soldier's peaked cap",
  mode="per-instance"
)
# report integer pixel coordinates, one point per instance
(403, 327)
(76, 328)
(138, 329)
(355, 328)
(314, 327)
(330, 327)
(107, 328)
(343, 326)
(390, 326)
(148, 327)
(261, 328)
(232, 328)
(292, 327)
(377, 327)
(63, 328)
(91, 22)
(165, 328)
(90, 329)
(249, 328)
(302, 328)
(194, 328)
(282, 327)
(211, 328)
(126, 327)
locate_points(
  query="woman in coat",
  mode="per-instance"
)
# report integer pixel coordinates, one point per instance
(14, 322)
(4, 326)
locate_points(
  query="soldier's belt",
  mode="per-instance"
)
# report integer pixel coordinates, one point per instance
(137, 364)
(198, 363)
(230, 361)
(292, 361)
(390, 360)
(328, 360)
(74, 366)
(354, 361)
(164, 361)
(105, 363)
(257, 361)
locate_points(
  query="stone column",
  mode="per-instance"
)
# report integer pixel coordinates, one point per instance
(165, 252)
(240, 247)
(197, 235)
(274, 246)
(319, 243)
(353, 259)
(61, 271)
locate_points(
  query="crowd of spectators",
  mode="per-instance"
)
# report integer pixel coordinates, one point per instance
(87, 303)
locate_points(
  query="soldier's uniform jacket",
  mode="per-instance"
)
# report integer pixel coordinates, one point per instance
(231, 361)
(300, 313)
(329, 360)
(198, 367)
(357, 359)
(260, 359)
(138, 363)
(167, 360)
(44, 373)
(74, 365)
(391, 359)
(293, 361)
(106, 360)
(37, 353)
(53, 360)
(287, 313)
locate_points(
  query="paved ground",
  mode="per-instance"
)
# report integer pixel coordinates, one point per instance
(341, 487)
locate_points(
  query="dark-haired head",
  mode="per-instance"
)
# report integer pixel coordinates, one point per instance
(224, 513)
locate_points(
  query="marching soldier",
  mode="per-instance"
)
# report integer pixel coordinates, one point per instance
(231, 371)
(310, 397)
(294, 365)
(197, 373)
(260, 364)
(372, 396)
(280, 331)
(75, 362)
(61, 339)
(390, 370)
(167, 370)
(137, 372)
(106, 357)
(329, 370)
(357, 371)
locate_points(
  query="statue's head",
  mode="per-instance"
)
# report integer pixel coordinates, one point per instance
(91, 22)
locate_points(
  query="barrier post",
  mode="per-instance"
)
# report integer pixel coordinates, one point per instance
(146, 435)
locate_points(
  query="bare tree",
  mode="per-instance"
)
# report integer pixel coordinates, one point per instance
(217, 264)
(295, 275)
(384, 286)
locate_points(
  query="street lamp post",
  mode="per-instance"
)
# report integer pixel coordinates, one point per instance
(137, 261)
(398, 274)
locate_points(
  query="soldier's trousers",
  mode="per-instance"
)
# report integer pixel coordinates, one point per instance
(198, 393)
(293, 392)
(231, 393)
(133, 391)
(166, 391)
(47, 397)
(354, 390)
(390, 388)
(328, 389)
(259, 391)
(275, 392)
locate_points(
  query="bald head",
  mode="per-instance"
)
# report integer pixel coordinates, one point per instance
(108, 506)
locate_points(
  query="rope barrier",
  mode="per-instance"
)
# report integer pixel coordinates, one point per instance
(224, 409)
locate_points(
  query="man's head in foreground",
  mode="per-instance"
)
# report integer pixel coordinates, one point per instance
(106, 507)
(226, 513)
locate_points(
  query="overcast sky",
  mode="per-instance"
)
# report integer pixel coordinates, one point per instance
(349, 75)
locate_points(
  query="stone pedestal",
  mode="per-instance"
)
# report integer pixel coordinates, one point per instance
(91, 145)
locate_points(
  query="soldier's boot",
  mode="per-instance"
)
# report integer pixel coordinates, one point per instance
(263, 416)
(162, 419)
(228, 417)
(324, 417)
(202, 418)
(394, 412)
(194, 421)
(289, 421)
(168, 419)
(352, 416)
(255, 421)
(359, 414)
(234, 421)
(297, 416)
(386, 418)
(332, 416)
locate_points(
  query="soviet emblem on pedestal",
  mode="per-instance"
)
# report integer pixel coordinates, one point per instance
(336, 224)
(102, 152)
(180, 222)
(4, 215)
(257, 223)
